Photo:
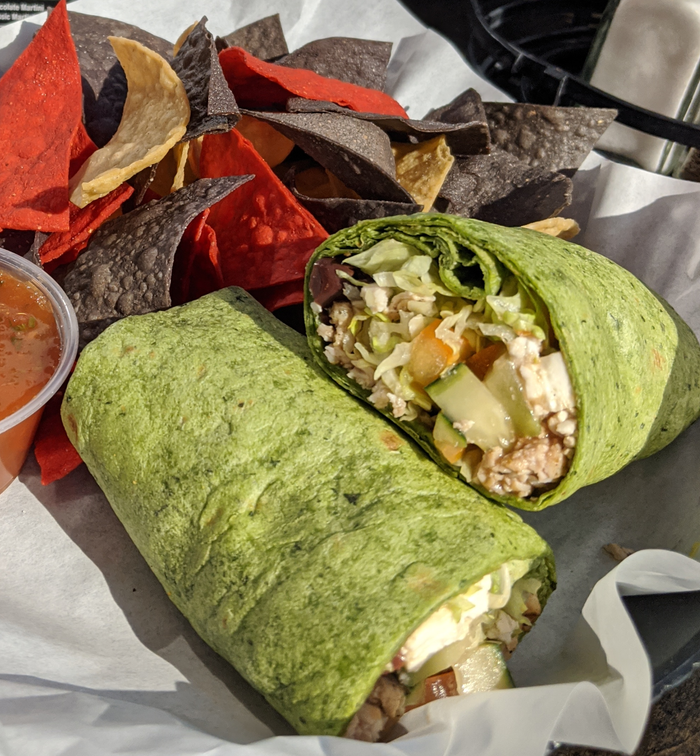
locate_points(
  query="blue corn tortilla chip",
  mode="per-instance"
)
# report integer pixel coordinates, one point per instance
(263, 38)
(500, 189)
(466, 107)
(104, 82)
(213, 107)
(357, 61)
(546, 136)
(469, 137)
(334, 213)
(127, 268)
(357, 152)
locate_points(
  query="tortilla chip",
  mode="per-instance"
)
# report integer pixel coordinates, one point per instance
(564, 228)
(127, 268)
(263, 38)
(545, 136)
(64, 247)
(272, 146)
(282, 295)
(180, 40)
(466, 107)
(357, 61)
(53, 450)
(104, 81)
(193, 154)
(141, 183)
(192, 244)
(213, 107)
(40, 107)
(257, 84)
(155, 117)
(469, 137)
(356, 151)
(421, 168)
(19, 242)
(80, 150)
(500, 189)
(170, 172)
(320, 183)
(205, 275)
(264, 235)
(342, 212)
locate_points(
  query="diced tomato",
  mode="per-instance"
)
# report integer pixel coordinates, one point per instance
(441, 685)
(430, 356)
(480, 363)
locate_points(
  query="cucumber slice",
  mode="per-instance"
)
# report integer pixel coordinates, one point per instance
(483, 669)
(445, 434)
(463, 398)
(503, 382)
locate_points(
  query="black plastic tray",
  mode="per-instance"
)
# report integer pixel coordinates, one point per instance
(535, 49)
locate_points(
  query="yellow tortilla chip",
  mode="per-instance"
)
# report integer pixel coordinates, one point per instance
(195, 150)
(564, 228)
(272, 146)
(170, 175)
(155, 118)
(320, 183)
(422, 168)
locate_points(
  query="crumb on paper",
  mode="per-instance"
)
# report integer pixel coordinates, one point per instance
(617, 552)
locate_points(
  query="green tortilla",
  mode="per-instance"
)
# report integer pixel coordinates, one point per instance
(299, 534)
(633, 363)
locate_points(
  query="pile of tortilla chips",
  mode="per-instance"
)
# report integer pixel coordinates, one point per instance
(142, 173)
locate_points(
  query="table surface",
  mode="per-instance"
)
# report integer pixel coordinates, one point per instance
(673, 729)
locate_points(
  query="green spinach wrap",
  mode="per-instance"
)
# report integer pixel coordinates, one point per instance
(321, 553)
(522, 363)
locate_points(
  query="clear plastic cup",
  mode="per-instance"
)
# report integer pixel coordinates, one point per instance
(17, 431)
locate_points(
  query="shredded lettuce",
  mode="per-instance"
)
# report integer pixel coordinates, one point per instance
(399, 357)
(347, 277)
(387, 255)
(516, 311)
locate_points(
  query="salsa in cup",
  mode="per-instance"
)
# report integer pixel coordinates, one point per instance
(38, 344)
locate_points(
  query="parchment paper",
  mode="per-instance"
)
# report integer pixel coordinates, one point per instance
(95, 660)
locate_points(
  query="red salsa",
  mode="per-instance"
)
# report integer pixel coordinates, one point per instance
(30, 348)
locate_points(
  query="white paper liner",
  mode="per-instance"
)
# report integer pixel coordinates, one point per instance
(94, 659)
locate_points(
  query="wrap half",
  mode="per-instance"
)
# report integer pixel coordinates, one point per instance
(527, 365)
(305, 540)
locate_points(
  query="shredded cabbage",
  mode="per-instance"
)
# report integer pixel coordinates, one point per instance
(516, 311)
(398, 357)
(386, 255)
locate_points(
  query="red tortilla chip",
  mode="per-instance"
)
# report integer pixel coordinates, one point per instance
(64, 247)
(80, 149)
(257, 84)
(53, 451)
(184, 258)
(40, 109)
(282, 295)
(265, 236)
(205, 272)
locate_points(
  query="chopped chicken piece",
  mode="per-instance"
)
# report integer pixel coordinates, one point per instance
(380, 712)
(533, 462)
(376, 297)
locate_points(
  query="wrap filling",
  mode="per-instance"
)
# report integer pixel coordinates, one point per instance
(461, 648)
(484, 375)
